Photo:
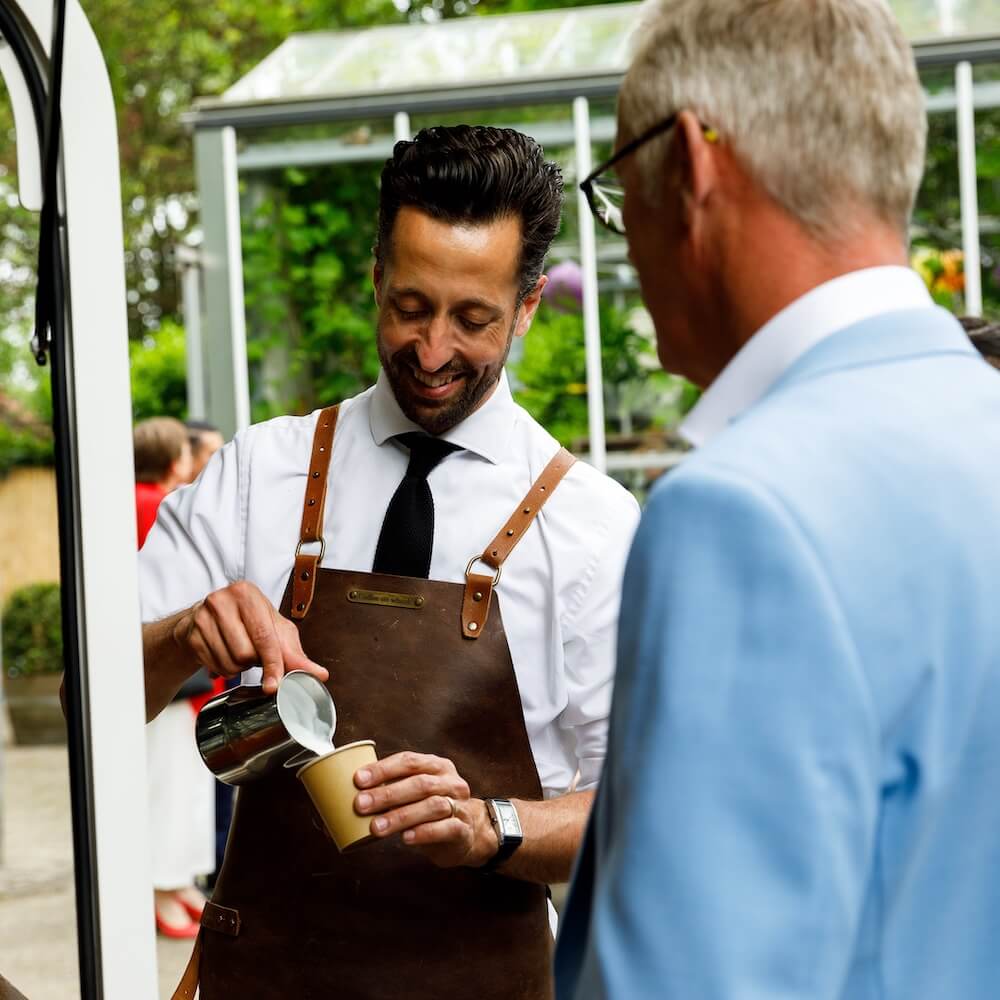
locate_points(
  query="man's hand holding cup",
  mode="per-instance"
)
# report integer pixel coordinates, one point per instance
(424, 799)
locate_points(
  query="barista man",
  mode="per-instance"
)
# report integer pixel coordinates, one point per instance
(461, 605)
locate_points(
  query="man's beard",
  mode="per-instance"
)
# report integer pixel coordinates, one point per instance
(438, 417)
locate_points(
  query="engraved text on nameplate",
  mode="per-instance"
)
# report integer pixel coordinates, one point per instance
(385, 598)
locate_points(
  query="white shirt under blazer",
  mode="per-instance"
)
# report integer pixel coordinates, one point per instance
(560, 589)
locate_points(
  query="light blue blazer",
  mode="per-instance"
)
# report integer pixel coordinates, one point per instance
(802, 795)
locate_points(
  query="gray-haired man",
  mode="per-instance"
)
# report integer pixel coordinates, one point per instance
(797, 799)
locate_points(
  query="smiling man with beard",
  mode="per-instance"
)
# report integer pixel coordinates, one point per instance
(381, 528)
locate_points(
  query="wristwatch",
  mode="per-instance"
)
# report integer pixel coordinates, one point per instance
(505, 822)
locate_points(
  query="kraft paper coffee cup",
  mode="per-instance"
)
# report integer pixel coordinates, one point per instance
(329, 780)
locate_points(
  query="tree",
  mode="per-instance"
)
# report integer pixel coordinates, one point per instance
(159, 386)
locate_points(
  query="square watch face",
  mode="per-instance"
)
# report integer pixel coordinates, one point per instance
(509, 822)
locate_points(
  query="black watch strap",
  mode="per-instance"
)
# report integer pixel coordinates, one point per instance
(507, 826)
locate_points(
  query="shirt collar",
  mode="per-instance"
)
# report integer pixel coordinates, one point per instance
(783, 339)
(486, 431)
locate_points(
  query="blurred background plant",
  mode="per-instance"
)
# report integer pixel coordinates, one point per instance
(32, 631)
(943, 272)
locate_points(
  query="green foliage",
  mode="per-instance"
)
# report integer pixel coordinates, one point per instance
(32, 631)
(164, 54)
(307, 242)
(551, 375)
(19, 448)
(937, 226)
(159, 386)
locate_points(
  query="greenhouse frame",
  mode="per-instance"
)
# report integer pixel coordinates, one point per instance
(389, 75)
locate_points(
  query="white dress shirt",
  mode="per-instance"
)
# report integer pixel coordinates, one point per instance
(783, 339)
(560, 588)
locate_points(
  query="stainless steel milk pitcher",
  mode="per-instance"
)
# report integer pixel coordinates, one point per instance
(244, 734)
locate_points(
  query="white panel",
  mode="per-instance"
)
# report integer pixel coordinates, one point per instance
(110, 634)
(967, 189)
(588, 264)
(401, 126)
(234, 259)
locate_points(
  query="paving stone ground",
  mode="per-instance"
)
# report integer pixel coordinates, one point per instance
(37, 907)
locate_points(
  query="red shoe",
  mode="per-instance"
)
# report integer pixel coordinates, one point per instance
(194, 912)
(182, 931)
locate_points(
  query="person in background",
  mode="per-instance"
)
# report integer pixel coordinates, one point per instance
(798, 800)
(181, 793)
(206, 439)
(162, 463)
(985, 337)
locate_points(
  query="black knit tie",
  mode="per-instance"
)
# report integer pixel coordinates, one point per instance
(407, 537)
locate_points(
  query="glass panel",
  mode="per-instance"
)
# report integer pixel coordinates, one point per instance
(459, 51)
(924, 20)
(475, 50)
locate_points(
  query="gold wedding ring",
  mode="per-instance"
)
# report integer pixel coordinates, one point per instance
(454, 806)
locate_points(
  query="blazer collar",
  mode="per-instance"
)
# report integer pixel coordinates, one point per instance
(890, 337)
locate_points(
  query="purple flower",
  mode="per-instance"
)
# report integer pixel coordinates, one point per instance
(565, 288)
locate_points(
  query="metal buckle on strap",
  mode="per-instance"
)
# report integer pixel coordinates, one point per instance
(321, 542)
(473, 561)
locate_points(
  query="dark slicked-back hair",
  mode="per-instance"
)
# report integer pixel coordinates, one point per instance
(474, 174)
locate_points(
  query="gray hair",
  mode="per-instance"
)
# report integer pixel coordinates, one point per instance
(818, 99)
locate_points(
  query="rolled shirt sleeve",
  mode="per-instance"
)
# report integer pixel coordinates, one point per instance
(732, 837)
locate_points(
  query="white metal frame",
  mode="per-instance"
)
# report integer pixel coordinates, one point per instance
(225, 376)
(588, 266)
(966, 121)
(101, 444)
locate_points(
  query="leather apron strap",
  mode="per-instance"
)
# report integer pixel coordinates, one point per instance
(479, 587)
(213, 918)
(187, 988)
(311, 531)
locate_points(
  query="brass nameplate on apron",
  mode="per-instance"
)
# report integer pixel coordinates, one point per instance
(385, 599)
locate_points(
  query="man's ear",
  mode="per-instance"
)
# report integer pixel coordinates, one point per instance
(378, 273)
(694, 155)
(528, 306)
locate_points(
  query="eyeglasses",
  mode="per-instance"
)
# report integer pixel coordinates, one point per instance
(604, 190)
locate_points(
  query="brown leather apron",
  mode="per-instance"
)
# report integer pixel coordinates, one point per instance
(414, 664)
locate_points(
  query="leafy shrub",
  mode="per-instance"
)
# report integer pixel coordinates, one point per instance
(307, 266)
(159, 376)
(550, 377)
(19, 448)
(32, 631)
